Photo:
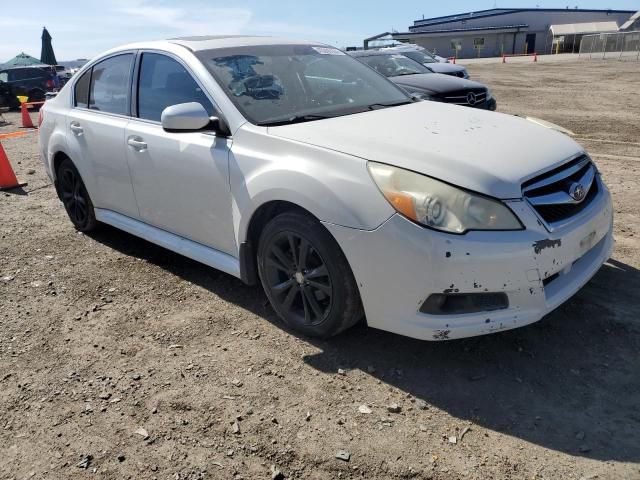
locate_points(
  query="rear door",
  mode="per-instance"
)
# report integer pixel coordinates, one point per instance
(96, 128)
(181, 180)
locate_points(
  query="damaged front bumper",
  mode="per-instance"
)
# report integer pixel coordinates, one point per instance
(400, 264)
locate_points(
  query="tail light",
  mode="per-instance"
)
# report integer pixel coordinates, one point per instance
(40, 116)
(50, 83)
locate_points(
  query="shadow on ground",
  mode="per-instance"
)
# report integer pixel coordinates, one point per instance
(570, 383)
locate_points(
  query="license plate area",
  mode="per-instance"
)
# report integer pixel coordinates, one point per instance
(587, 242)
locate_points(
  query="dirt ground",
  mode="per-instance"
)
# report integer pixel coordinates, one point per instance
(134, 362)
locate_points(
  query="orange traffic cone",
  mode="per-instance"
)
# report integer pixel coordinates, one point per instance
(26, 118)
(8, 179)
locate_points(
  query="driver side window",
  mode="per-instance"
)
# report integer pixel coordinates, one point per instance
(164, 82)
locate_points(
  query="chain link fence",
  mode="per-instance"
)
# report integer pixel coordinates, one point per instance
(611, 45)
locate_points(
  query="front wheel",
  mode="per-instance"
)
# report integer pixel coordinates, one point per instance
(306, 276)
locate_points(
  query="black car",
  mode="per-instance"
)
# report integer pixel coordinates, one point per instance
(421, 82)
(33, 81)
(8, 98)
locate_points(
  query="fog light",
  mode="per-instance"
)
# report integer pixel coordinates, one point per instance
(458, 303)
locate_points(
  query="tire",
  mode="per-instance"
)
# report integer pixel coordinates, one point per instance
(36, 95)
(306, 276)
(75, 197)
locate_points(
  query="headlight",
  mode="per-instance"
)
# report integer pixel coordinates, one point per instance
(489, 94)
(439, 205)
(421, 94)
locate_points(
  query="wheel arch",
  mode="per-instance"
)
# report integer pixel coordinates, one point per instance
(57, 159)
(259, 219)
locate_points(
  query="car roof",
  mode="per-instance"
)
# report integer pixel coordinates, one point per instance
(402, 48)
(210, 42)
(202, 43)
(371, 53)
(18, 67)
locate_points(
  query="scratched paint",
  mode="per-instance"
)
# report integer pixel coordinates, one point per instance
(543, 244)
(441, 335)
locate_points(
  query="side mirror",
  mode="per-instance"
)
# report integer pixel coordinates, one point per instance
(185, 117)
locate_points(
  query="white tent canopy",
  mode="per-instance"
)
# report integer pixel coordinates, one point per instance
(584, 28)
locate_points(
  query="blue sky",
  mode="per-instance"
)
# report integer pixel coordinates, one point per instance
(85, 28)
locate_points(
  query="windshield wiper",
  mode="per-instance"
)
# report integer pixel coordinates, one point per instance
(411, 73)
(376, 106)
(291, 120)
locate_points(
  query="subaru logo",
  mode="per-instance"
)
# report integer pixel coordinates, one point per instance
(577, 192)
(471, 98)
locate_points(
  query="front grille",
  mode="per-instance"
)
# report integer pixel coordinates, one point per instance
(473, 97)
(554, 195)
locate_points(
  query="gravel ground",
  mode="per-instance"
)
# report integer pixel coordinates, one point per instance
(121, 359)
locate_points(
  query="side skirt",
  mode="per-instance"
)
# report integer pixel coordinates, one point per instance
(193, 250)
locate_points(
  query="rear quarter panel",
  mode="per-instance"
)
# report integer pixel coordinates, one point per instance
(52, 133)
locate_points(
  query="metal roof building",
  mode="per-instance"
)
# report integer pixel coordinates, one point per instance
(490, 33)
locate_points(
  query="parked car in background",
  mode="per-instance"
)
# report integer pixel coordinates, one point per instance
(423, 56)
(31, 81)
(294, 165)
(438, 58)
(8, 98)
(418, 80)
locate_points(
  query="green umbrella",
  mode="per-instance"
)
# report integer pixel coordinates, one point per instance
(23, 59)
(46, 55)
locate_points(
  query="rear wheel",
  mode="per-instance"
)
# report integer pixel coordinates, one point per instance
(306, 276)
(75, 197)
(36, 95)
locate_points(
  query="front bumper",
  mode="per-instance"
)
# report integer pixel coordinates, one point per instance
(398, 265)
(490, 104)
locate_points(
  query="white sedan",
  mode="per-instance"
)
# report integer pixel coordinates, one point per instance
(295, 165)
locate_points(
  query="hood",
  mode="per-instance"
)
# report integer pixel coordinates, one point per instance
(445, 68)
(487, 152)
(436, 82)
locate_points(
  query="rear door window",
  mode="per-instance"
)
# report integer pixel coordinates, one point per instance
(82, 90)
(164, 82)
(14, 75)
(109, 90)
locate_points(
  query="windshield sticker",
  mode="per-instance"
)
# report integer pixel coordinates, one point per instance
(328, 51)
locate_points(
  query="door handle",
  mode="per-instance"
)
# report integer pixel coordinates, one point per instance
(137, 143)
(76, 128)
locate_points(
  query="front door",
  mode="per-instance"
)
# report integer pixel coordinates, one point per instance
(530, 42)
(181, 180)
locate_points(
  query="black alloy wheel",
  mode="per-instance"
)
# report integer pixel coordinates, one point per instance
(75, 198)
(306, 276)
(298, 278)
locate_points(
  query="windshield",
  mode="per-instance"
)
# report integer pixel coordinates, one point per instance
(419, 56)
(394, 65)
(278, 84)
